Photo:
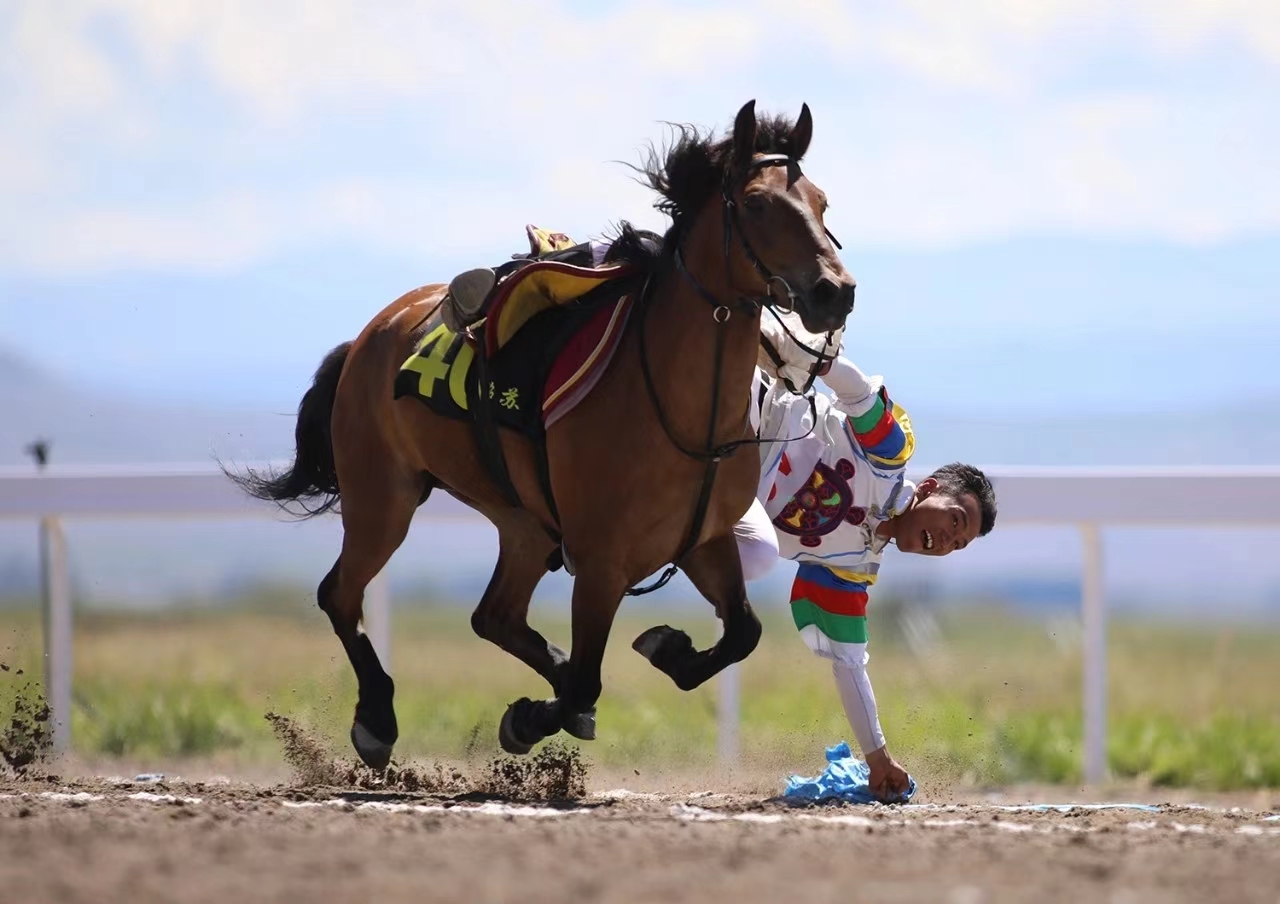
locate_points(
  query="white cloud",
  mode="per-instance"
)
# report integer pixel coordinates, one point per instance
(126, 122)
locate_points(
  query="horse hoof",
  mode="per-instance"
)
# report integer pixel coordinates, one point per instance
(374, 753)
(582, 725)
(507, 735)
(658, 644)
(648, 643)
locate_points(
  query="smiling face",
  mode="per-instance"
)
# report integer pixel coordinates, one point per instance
(938, 522)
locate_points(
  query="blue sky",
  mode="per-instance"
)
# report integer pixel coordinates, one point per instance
(1081, 195)
(1078, 199)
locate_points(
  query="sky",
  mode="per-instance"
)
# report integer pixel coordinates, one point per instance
(1082, 196)
(1065, 207)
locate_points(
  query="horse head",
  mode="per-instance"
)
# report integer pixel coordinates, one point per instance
(783, 250)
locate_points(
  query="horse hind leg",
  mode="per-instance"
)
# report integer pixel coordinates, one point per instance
(375, 521)
(502, 616)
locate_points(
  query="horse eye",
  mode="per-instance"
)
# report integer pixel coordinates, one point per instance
(753, 203)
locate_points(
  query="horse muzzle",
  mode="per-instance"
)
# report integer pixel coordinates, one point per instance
(827, 305)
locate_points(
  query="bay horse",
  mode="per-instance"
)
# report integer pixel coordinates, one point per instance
(625, 466)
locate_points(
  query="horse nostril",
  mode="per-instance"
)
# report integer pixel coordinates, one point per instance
(825, 292)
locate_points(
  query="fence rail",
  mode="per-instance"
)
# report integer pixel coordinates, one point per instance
(1090, 498)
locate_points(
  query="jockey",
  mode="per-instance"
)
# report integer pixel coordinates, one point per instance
(834, 500)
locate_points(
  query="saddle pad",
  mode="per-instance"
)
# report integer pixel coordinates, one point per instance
(539, 287)
(539, 376)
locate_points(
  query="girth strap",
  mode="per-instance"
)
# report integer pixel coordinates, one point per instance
(485, 428)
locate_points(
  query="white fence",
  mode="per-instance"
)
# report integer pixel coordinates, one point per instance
(1090, 498)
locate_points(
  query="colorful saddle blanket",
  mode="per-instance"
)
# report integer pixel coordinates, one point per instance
(538, 287)
(550, 335)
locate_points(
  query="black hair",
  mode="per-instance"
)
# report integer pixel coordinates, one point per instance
(956, 479)
(686, 174)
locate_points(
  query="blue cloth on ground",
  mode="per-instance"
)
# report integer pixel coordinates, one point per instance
(845, 778)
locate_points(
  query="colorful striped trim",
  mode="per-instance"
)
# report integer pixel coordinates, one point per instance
(865, 575)
(884, 432)
(839, 628)
(838, 608)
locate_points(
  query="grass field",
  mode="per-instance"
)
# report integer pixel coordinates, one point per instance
(995, 700)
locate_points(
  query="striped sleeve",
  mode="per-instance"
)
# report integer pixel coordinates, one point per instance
(831, 613)
(875, 424)
(883, 432)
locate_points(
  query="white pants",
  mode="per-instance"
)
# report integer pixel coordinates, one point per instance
(757, 542)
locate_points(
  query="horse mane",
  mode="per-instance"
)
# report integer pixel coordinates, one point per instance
(686, 173)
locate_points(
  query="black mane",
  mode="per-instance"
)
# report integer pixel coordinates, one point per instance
(686, 174)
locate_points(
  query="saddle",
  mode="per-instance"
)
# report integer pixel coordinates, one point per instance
(540, 356)
(548, 335)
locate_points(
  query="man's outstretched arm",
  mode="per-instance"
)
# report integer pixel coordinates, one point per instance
(830, 610)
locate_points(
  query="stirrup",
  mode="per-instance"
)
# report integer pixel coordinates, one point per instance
(468, 292)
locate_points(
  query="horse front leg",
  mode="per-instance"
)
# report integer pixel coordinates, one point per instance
(716, 570)
(596, 597)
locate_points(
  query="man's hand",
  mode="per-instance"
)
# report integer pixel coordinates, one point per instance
(794, 347)
(888, 781)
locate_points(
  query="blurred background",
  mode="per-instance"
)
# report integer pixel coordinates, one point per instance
(1064, 218)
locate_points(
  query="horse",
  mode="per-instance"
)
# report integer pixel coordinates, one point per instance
(622, 470)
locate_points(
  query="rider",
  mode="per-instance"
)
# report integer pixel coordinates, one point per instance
(833, 500)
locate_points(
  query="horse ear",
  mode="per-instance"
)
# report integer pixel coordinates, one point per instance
(744, 133)
(802, 133)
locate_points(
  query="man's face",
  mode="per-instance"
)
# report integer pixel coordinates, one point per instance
(937, 523)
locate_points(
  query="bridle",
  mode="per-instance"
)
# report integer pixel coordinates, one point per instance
(711, 454)
(821, 358)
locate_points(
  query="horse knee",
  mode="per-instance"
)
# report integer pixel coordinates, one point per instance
(743, 636)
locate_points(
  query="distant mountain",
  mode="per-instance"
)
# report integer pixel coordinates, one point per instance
(89, 426)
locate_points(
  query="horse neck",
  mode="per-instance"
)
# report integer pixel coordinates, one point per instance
(681, 340)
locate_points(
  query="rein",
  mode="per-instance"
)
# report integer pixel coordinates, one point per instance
(712, 454)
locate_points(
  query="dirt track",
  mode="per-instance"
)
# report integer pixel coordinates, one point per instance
(192, 842)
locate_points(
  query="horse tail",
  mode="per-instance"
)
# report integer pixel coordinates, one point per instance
(313, 477)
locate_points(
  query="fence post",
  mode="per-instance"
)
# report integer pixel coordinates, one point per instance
(728, 695)
(377, 617)
(1094, 657)
(56, 609)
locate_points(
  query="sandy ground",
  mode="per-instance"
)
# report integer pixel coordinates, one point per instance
(103, 839)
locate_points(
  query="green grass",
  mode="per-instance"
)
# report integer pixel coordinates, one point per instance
(996, 701)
